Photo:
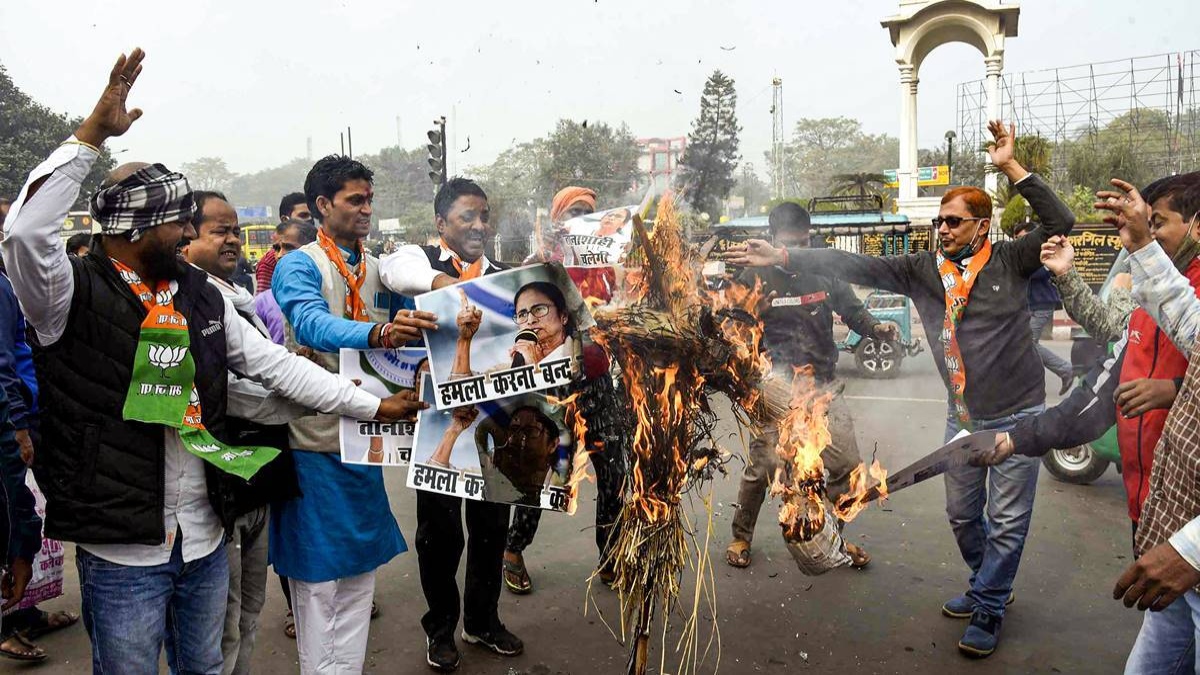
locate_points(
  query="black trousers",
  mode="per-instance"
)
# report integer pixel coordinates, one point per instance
(439, 550)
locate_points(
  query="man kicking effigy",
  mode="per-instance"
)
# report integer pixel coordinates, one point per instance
(797, 324)
(976, 292)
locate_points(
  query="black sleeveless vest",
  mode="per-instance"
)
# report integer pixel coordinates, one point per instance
(103, 476)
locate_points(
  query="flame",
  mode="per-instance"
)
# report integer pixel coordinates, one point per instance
(862, 491)
(583, 447)
(800, 476)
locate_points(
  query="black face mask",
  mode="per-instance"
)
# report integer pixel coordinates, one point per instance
(966, 251)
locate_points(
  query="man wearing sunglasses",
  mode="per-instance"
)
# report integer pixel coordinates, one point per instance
(971, 295)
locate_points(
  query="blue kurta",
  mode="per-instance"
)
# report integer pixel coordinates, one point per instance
(342, 526)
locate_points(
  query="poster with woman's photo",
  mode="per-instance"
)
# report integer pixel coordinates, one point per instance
(518, 450)
(600, 239)
(504, 334)
(383, 372)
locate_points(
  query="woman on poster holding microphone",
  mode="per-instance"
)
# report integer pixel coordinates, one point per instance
(546, 329)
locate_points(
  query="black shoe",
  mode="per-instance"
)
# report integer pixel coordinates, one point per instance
(1068, 381)
(497, 639)
(442, 654)
(982, 636)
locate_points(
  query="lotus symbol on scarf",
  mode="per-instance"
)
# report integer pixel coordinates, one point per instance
(194, 398)
(206, 448)
(166, 356)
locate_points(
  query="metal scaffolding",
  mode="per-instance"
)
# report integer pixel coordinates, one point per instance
(1147, 101)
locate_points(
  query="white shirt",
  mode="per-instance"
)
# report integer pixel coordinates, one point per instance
(44, 283)
(408, 272)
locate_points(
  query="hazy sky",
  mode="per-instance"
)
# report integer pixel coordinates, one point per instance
(250, 82)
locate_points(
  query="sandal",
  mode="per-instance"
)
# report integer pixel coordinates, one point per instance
(859, 558)
(516, 578)
(738, 553)
(25, 650)
(289, 625)
(50, 622)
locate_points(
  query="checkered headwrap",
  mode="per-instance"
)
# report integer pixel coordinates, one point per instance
(150, 197)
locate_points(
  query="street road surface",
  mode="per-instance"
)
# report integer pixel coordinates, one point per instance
(773, 619)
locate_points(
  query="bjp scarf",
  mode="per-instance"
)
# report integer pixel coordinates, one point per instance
(958, 290)
(162, 389)
(355, 309)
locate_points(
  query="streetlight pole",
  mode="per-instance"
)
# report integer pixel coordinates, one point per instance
(950, 136)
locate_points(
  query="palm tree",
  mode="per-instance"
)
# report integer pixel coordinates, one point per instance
(861, 184)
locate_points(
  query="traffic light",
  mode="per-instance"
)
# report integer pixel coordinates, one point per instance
(437, 152)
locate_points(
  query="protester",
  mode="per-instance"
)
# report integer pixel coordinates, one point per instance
(570, 202)
(461, 214)
(132, 350)
(292, 235)
(984, 334)
(261, 419)
(292, 207)
(600, 404)
(20, 535)
(1043, 300)
(19, 380)
(329, 541)
(794, 336)
(77, 244)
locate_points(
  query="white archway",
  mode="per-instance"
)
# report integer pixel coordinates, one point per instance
(924, 25)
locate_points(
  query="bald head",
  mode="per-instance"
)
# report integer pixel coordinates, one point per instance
(121, 173)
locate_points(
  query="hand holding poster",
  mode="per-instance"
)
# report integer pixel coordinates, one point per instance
(514, 451)
(504, 334)
(383, 372)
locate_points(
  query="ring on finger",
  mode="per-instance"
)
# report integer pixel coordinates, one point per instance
(125, 81)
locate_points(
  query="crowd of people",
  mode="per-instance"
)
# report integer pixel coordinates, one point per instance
(152, 393)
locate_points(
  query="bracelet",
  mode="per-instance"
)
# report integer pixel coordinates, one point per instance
(385, 336)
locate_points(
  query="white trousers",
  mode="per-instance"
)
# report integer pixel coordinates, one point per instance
(332, 621)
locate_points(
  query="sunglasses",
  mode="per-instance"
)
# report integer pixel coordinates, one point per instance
(952, 221)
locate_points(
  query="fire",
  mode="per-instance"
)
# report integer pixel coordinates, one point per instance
(800, 477)
(583, 448)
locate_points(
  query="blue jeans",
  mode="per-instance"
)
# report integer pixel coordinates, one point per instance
(130, 611)
(1166, 645)
(1038, 318)
(991, 543)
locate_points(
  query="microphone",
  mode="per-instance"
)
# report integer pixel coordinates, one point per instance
(526, 335)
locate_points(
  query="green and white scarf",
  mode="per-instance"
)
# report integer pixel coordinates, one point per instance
(162, 389)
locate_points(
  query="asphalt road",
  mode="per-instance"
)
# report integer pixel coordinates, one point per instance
(771, 618)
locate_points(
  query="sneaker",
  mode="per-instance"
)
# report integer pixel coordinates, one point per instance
(982, 635)
(498, 640)
(442, 654)
(962, 607)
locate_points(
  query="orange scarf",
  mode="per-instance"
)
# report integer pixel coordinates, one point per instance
(356, 309)
(471, 271)
(958, 291)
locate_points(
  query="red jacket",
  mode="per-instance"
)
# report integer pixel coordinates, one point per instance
(1150, 353)
(266, 270)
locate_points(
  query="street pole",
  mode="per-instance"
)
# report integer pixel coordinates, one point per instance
(950, 136)
(350, 142)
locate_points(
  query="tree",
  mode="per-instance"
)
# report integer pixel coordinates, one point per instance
(268, 186)
(29, 132)
(594, 156)
(514, 189)
(403, 190)
(706, 167)
(860, 184)
(754, 192)
(822, 148)
(208, 173)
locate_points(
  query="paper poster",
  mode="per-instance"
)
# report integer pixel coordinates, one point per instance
(383, 372)
(517, 450)
(504, 334)
(600, 239)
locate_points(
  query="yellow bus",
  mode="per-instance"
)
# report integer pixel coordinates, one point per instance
(256, 241)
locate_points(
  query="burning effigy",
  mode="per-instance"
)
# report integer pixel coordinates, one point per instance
(675, 342)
